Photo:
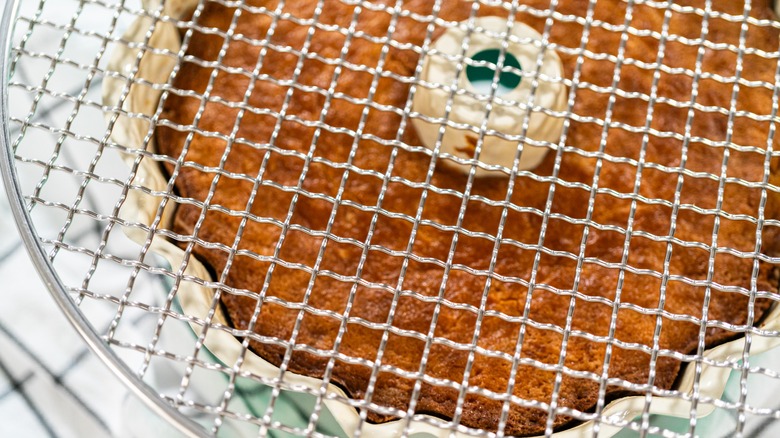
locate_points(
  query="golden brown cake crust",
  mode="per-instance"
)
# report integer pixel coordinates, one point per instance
(281, 166)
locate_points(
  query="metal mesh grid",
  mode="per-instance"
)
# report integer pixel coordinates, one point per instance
(74, 186)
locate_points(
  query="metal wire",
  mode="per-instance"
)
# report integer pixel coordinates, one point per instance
(69, 199)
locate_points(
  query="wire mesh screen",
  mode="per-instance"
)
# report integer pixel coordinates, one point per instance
(253, 181)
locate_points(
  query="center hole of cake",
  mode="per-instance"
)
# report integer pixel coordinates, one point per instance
(481, 76)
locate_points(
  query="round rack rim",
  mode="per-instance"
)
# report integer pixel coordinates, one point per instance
(45, 269)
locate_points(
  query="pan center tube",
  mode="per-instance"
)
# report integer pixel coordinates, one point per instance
(507, 75)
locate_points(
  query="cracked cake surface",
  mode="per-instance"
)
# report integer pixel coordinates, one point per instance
(345, 246)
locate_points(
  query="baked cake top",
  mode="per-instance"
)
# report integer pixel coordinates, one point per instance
(345, 242)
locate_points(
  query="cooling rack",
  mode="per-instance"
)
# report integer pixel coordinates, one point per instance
(82, 84)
